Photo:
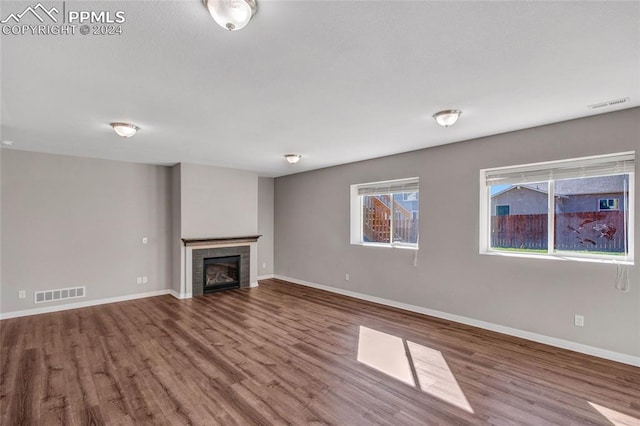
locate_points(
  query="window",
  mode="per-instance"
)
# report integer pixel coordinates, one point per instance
(385, 213)
(502, 210)
(579, 208)
(608, 204)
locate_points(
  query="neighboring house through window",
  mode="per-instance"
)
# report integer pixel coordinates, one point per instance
(385, 213)
(574, 208)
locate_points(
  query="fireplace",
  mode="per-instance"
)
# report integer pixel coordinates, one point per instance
(201, 253)
(220, 273)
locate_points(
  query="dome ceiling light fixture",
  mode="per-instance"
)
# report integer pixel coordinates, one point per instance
(232, 15)
(125, 130)
(448, 117)
(293, 158)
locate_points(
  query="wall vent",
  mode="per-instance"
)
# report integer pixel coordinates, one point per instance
(60, 294)
(612, 102)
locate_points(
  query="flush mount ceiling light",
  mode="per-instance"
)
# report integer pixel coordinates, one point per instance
(293, 158)
(7, 143)
(125, 130)
(232, 15)
(447, 117)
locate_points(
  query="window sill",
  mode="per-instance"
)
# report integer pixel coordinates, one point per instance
(605, 260)
(398, 246)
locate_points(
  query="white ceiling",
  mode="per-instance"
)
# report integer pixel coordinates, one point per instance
(336, 81)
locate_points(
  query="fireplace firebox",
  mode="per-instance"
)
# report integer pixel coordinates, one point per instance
(220, 273)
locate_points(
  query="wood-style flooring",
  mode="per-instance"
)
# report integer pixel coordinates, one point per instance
(286, 354)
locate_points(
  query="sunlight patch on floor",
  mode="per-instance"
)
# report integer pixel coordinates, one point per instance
(435, 377)
(411, 363)
(385, 353)
(615, 417)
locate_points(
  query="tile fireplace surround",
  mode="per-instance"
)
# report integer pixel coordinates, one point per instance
(196, 249)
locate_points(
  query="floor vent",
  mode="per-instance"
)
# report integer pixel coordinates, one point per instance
(608, 103)
(60, 294)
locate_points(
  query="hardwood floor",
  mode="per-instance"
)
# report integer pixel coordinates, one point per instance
(286, 354)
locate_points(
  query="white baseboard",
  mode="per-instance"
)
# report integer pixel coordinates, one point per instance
(84, 304)
(266, 277)
(253, 285)
(540, 338)
(179, 295)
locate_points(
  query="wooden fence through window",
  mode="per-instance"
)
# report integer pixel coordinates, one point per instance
(376, 216)
(583, 231)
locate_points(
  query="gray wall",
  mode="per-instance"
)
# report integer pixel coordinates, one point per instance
(176, 227)
(536, 295)
(265, 226)
(1, 151)
(69, 221)
(218, 202)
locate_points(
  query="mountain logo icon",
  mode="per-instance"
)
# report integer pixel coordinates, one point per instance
(39, 11)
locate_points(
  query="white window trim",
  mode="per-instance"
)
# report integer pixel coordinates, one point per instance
(485, 215)
(356, 237)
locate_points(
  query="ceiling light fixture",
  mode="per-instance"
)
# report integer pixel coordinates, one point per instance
(232, 15)
(293, 158)
(125, 130)
(447, 117)
(7, 143)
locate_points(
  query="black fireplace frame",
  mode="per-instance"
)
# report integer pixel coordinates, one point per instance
(199, 254)
(207, 261)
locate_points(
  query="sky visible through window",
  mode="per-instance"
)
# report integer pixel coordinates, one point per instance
(497, 188)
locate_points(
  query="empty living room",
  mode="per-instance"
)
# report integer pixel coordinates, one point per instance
(292, 212)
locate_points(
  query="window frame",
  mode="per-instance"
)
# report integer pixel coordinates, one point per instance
(356, 208)
(485, 213)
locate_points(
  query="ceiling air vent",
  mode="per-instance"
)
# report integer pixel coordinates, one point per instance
(612, 102)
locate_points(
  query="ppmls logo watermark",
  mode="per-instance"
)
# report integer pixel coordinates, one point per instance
(60, 20)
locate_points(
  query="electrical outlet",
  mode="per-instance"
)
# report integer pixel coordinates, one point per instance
(22, 294)
(346, 277)
(145, 280)
(139, 280)
(579, 321)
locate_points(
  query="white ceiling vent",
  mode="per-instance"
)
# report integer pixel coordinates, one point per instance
(612, 102)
